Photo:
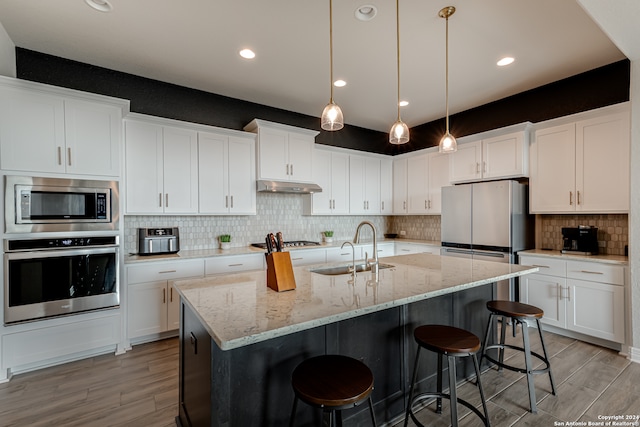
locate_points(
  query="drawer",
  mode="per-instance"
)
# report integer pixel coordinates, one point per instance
(169, 270)
(308, 256)
(595, 272)
(415, 248)
(548, 266)
(234, 263)
(344, 254)
(384, 249)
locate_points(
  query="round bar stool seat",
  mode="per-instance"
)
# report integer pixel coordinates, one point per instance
(453, 343)
(519, 313)
(333, 383)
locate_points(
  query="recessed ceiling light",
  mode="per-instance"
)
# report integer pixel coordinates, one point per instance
(403, 103)
(339, 83)
(101, 5)
(247, 54)
(366, 12)
(505, 61)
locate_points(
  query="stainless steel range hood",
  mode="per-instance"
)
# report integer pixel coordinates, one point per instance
(264, 186)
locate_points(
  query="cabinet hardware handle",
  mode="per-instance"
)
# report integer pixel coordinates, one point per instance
(69, 155)
(541, 266)
(346, 253)
(569, 293)
(194, 342)
(166, 200)
(59, 155)
(477, 167)
(166, 271)
(171, 294)
(429, 204)
(578, 196)
(367, 205)
(296, 259)
(571, 197)
(406, 250)
(382, 207)
(235, 265)
(160, 199)
(231, 202)
(484, 167)
(590, 272)
(364, 205)
(287, 168)
(404, 205)
(164, 296)
(425, 204)
(291, 170)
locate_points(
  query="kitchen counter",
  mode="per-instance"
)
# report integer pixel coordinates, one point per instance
(240, 341)
(239, 309)
(608, 259)
(243, 250)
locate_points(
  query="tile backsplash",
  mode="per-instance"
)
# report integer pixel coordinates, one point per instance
(613, 230)
(422, 227)
(274, 212)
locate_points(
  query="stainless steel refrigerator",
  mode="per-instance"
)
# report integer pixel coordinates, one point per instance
(487, 221)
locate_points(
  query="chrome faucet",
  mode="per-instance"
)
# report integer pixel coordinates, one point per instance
(373, 262)
(352, 268)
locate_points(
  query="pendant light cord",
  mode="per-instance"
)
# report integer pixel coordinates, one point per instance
(447, 71)
(331, 47)
(398, 50)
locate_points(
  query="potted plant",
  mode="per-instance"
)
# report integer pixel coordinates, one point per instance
(327, 236)
(225, 241)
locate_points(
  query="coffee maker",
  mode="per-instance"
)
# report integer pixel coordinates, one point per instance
(581, 240)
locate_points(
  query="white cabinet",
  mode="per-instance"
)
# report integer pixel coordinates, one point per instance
(308, 256)
(418, 183)
(284, 152)
(582, 166)
(384, 250)
(46, 132)
(581, 296)
(496, 157)
(345, 254)
(226, 174)
(386, 186)
(153, 304)
(234, 263)
(406, 248)
(364, 185)
(161, 169)
(331, 173)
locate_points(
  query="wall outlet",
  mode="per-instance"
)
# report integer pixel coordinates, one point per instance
(403, 233)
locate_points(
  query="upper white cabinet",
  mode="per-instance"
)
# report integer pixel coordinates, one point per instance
(226, 170)
(386, 186)
(364, 185)
(161, 169)
(46, 129)
(491, 157)
(331, 173)
(582, 166)
(284, 152)
(418, 182)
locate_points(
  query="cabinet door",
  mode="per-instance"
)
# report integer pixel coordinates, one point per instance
(546, 293)
(438, 173)
(173, 308)
(503, 156)
(180, 170)
(273, 161)
(372, 185)
(417, 184)
(465, 164)
(386, 186)
(213, 182)
(553, 170)
(322, 202)
(242, 176)
(596, 309)
(344, 254)
(400, 186)
(357, 196)
(147, 308)
(340, 183)
(92, 133)
(602, 164)
(144, 168)
(308, 256)
(300, 158)
(31, 131)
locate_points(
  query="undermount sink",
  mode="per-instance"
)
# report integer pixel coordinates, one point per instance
(344, 269)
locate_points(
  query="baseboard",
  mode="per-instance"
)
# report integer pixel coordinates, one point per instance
(634, 354)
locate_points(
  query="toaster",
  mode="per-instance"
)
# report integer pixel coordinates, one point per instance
(154, 241)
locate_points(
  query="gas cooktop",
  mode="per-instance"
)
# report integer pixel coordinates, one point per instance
(291, 244)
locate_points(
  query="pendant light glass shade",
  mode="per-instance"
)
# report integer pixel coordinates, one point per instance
(448, 143)
(399, 133)
(332, 118)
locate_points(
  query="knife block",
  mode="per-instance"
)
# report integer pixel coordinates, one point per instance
(280, 272)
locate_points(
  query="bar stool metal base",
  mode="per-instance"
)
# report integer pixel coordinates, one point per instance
(446, 347)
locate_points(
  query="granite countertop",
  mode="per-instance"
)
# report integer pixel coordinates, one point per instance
(608, 259)
(239, 309)
(244, 250)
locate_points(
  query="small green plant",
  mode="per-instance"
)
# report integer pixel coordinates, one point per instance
(328, 233)
(225, 238)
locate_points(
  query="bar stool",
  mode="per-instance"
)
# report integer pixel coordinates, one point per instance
(519, 313)
(452, 343)
(333, 383)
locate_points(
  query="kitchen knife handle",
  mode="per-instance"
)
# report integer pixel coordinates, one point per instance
(279, 241)
(268, 242)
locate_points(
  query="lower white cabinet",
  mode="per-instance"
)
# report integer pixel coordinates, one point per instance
(344, 254)
(153, 304)
(581, 296)
(233, 264)
(308, 256)
(384, 249)
(406, 248)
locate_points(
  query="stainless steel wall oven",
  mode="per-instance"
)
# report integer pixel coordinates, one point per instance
(47, 277)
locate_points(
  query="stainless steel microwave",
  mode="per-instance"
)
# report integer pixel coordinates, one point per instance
(34, 204)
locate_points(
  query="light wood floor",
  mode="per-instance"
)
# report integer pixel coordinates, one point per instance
(140, 388)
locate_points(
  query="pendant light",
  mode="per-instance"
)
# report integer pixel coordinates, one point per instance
(332, 114)
(448, 143)
(399, 133)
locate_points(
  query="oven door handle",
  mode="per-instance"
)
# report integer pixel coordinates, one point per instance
(57, 253)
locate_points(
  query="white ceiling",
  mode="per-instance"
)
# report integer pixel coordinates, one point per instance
(195, 43)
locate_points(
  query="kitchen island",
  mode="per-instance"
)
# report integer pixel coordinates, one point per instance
(240, 340)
